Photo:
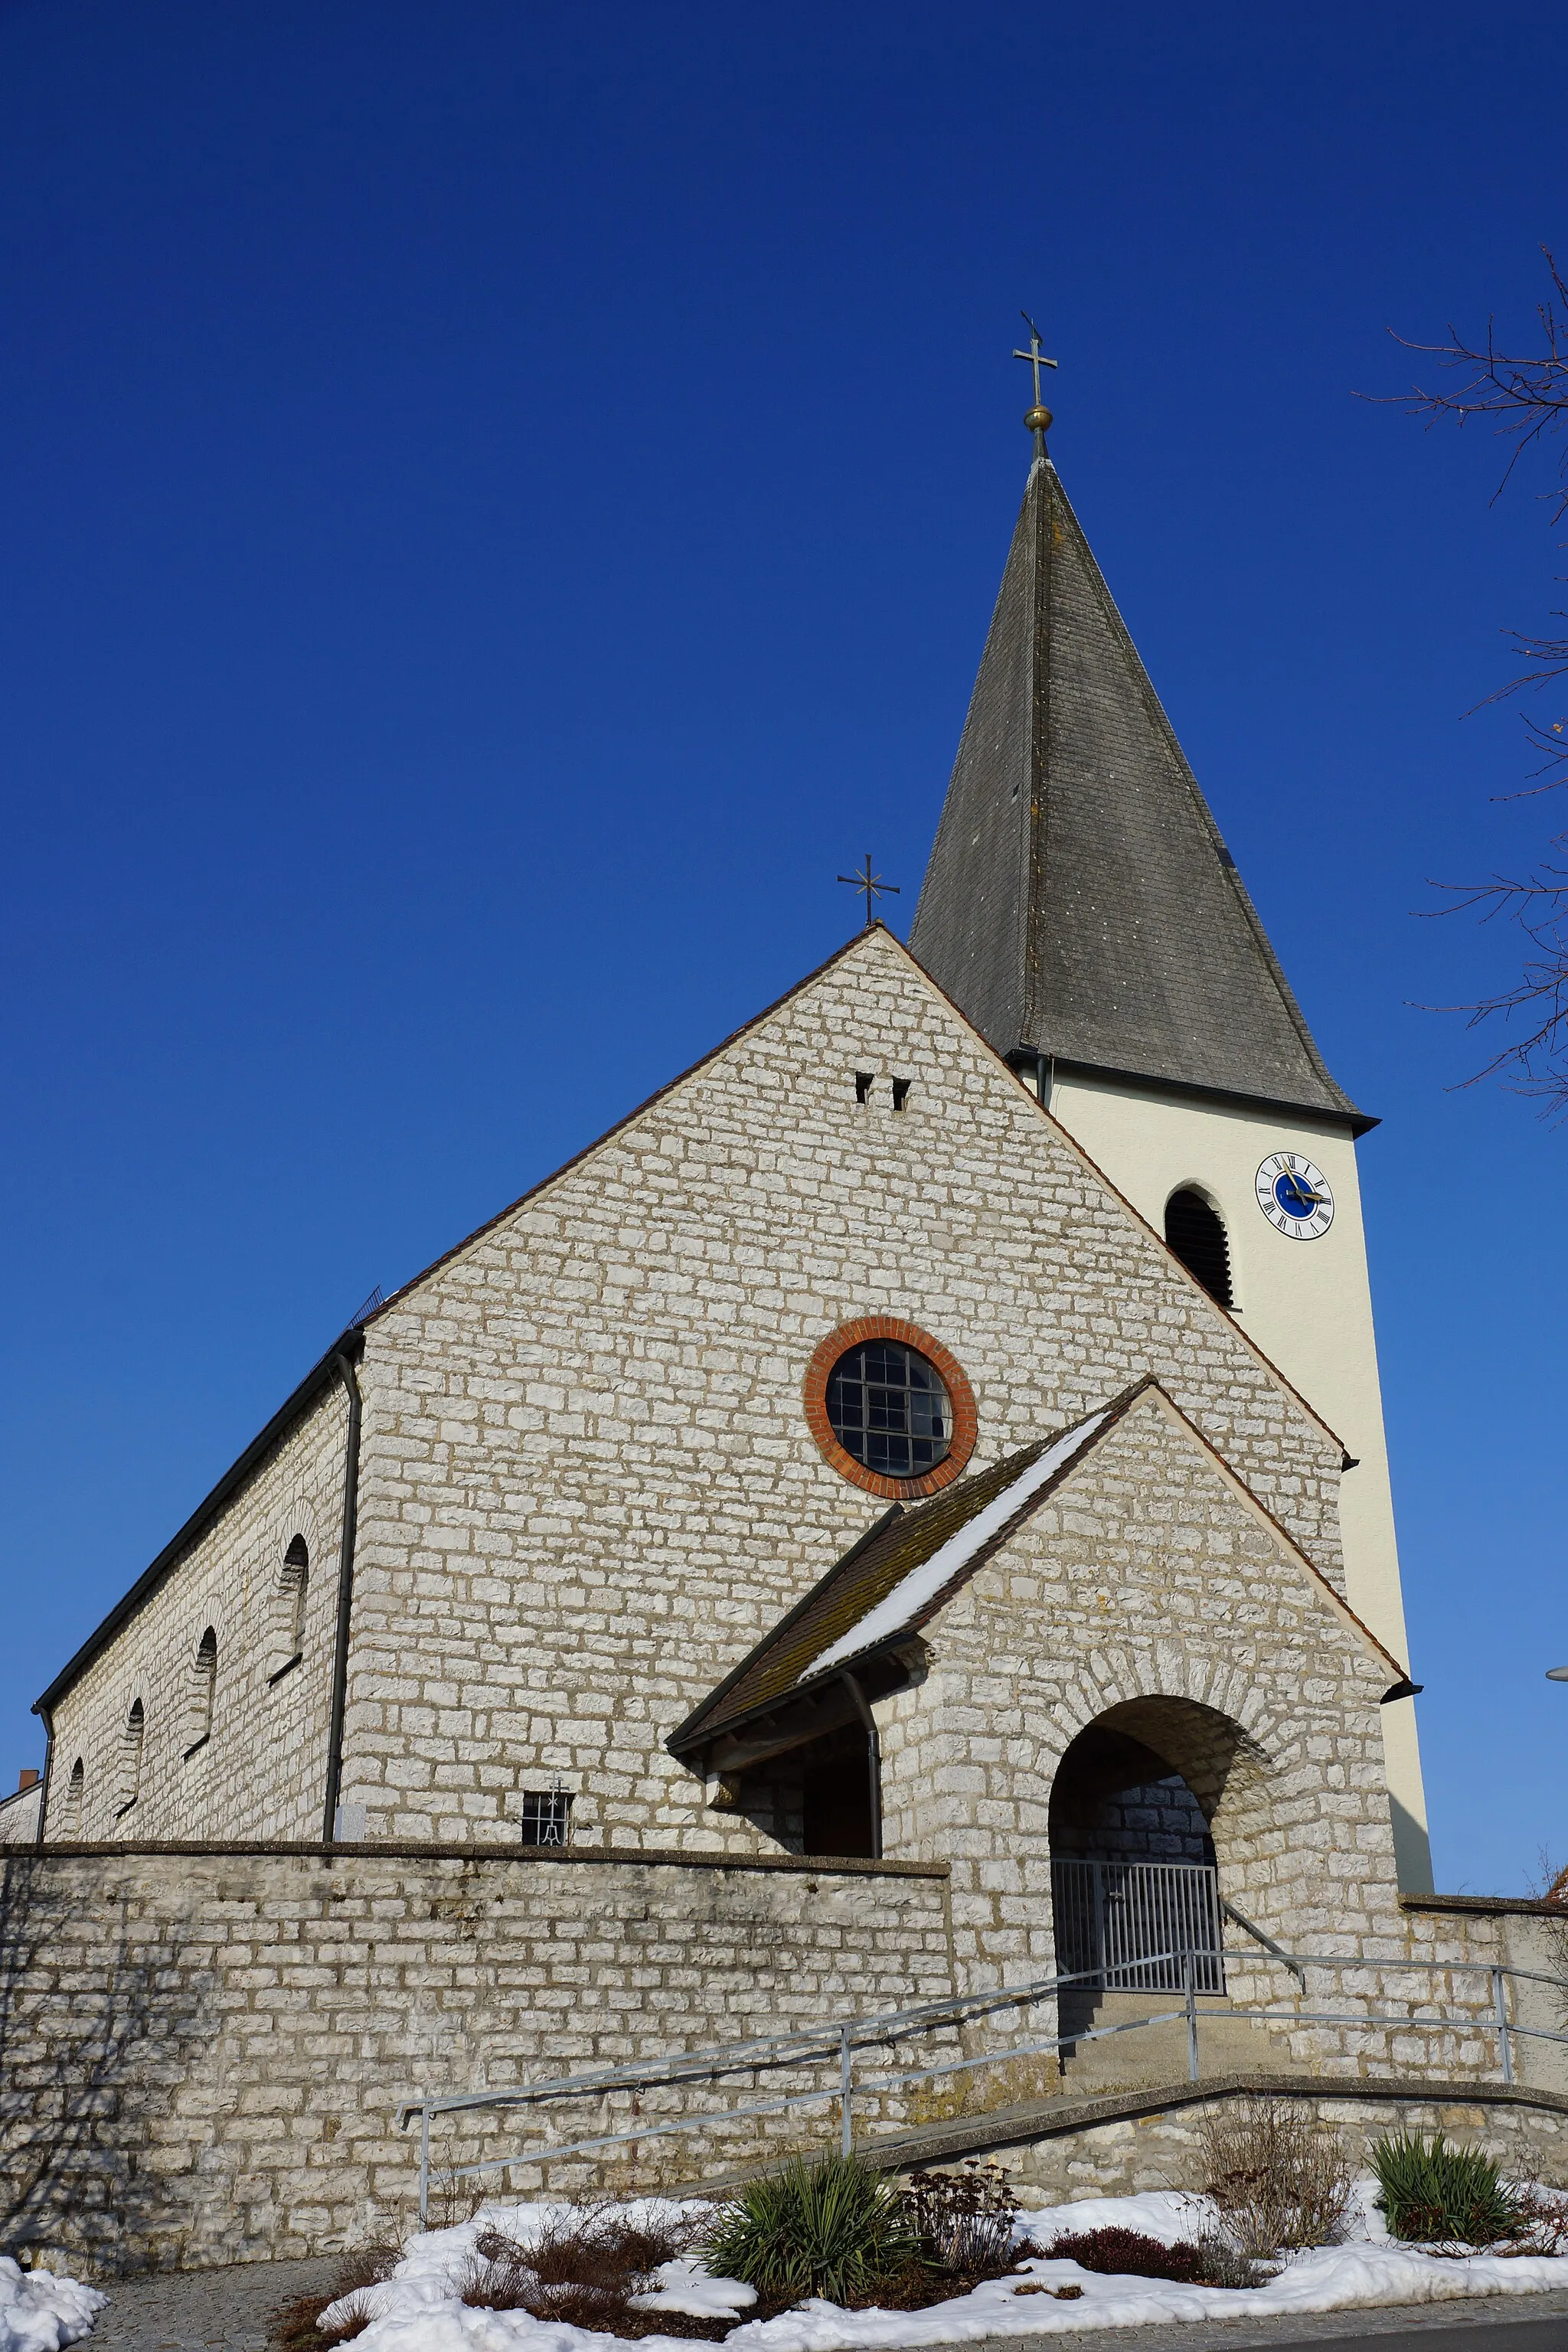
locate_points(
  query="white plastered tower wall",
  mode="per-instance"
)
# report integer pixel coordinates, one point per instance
(1308, 1305)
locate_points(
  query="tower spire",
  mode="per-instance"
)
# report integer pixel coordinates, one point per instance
(1079, 903)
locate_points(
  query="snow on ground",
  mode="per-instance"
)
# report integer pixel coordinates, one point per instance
(417, 2309)
(39, 2313)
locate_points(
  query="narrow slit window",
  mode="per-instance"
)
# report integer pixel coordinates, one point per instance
(296, 1585)
(76, 1798)
(1197, 1234)
(901, 1093)
(206, 1691)
(131, 1758)
(863, 1084)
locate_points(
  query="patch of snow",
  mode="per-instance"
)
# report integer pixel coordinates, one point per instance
(417, 2309)
(922, 1584)
(685, 2285)
(40, 2310)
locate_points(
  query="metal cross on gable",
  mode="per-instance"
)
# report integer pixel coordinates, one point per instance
(1039, 416)
(874, 887)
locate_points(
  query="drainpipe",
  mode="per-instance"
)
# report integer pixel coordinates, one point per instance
(873, 1760)
(345, 1601)
(48, 1760)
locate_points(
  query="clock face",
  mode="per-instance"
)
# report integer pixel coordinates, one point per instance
(1294, 1196)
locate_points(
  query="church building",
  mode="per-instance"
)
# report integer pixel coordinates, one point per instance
(941, 1425)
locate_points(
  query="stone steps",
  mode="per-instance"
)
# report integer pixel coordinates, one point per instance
(1130, 2059)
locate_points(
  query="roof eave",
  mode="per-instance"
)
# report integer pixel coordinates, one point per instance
(686, 1743)
(352, 1344)
(1359, 1122)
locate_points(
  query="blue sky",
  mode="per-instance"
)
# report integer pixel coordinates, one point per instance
(502, 504)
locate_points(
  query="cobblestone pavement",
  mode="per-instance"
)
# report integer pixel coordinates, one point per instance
(227, 2311)
(204, 2311)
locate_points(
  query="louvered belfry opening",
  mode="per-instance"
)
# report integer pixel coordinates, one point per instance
(1197, 1235)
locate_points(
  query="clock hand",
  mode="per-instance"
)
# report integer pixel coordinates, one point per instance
(1302, 1190)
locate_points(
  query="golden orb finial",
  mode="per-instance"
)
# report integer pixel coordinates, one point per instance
(1038, 418)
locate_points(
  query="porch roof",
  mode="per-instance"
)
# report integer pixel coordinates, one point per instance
(893, 1580)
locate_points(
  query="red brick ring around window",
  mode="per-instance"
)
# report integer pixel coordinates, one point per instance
(966, 1422)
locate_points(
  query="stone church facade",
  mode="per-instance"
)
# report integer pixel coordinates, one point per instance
(839, 1463)
(588, 1483)
(513, 1527)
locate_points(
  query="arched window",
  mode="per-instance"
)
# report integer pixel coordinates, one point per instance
(288, 1609)
(130, 1760)
(202, 1696)
(1197, 1234)
(75, 1796)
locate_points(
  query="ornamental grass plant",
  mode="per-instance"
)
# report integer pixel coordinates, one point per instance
(833, 2228)
(1432, 2194)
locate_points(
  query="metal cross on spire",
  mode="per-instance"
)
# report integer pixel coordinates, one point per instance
(1039, 417)
(874, 887)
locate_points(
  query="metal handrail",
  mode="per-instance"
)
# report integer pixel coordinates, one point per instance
(841, 2037)
(1250, 1928)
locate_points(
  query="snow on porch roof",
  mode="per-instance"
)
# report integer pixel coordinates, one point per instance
(894, 1579)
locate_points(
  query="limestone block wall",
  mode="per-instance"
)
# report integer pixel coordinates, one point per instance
(1160, 1820)
(204, 2051)
(1145, 1584)
(1527, 1937)
(19, 1815)
(1162, 2150)
(240, 1752)
(588, 1483)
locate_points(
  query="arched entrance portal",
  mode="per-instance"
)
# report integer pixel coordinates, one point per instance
(1136, 1803)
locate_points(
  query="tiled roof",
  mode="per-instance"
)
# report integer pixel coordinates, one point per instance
(876, 1594)
(1079, 901)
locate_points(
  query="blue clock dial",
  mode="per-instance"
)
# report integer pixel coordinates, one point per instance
(1294, 1196)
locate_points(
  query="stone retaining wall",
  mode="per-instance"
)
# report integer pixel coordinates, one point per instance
(204, 2050)
(1161, 2149)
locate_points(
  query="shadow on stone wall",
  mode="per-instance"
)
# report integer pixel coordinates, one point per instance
(86, 2013)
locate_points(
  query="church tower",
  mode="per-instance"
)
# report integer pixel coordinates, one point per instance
(1083, 908)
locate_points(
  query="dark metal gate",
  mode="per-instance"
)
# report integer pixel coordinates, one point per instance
(1128, 1924)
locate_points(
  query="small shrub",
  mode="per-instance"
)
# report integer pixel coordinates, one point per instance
(1540, 2221)
(833, 2228)
(291, 2328)
(582, 2270)
(1223, 2263)
(1128, 2253)
(1431, 2193)
(1281, 2178)
(964, 2220)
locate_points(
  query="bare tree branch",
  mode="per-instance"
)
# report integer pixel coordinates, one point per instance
(1526, 394)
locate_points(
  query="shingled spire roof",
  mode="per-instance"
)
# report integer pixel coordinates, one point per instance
(1080, 902)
